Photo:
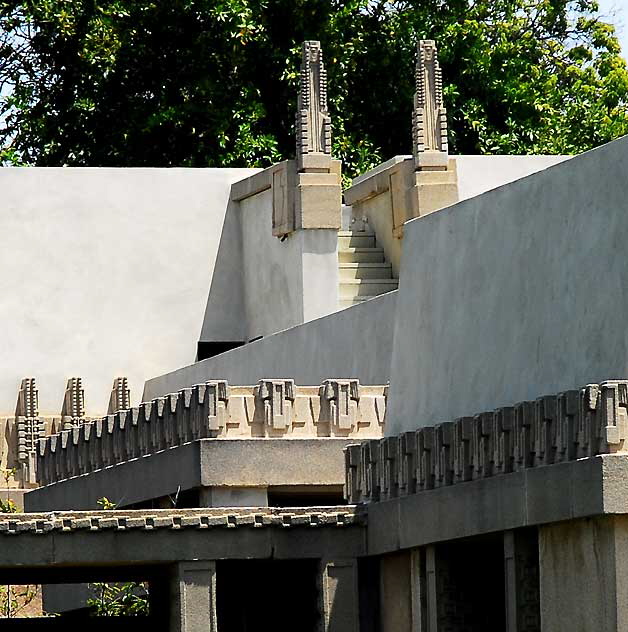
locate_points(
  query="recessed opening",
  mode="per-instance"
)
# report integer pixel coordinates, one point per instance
(470, 585)
(267, 595)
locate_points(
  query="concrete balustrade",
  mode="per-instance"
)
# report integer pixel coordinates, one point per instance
(273, 409)
(552, 429)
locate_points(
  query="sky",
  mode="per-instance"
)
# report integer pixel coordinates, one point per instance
(617, 12)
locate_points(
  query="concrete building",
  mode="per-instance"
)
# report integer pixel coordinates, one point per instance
(408, 409)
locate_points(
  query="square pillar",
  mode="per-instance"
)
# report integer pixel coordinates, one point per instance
(339, 595)
(193, 597)
(522, 592)
(584, 575)
(396, 592)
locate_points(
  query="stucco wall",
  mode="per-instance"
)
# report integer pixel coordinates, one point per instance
(515, 293)
(478, 174)
(105, 272)
(264, 284)
(355, 342)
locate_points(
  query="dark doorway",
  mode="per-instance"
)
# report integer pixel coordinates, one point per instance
(470, 586)
(255, 595)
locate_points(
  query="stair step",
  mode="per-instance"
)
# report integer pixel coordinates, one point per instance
(355, 239)
(365, 271)
(361, 255)
(366, 287)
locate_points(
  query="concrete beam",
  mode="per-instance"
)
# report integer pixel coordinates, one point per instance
(543, 495)
(205, 463)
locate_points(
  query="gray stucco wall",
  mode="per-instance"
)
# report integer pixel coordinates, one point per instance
(264, 284)
(516, 293)
(105, 272)
(355, 342)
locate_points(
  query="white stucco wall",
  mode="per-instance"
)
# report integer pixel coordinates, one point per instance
(519, 292)
(355, 342)
(105, 272)
(478, 174)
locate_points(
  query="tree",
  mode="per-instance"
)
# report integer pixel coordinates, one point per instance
(213, 83)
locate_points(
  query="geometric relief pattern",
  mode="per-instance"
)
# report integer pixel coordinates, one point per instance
(551, 429)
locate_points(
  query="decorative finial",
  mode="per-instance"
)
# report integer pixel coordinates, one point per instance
(313, 121)
(120, 398)
(27, 399)
(73, 410)
(429, 116)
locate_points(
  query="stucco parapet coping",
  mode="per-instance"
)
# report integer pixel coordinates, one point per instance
(554, 429)
(248, 187)
(273, 409)
(373, 182)
(263, 180)
(42, 523)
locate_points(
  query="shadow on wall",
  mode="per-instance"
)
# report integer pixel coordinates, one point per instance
(224, 322)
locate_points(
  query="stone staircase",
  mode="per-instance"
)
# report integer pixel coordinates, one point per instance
(363, 271)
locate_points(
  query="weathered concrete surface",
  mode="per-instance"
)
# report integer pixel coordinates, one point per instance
(518, 292)
(354, 342)
(256, 463)
(117, 538)
(106, 264)
(543, 495)
(584, 577)
(396, 592)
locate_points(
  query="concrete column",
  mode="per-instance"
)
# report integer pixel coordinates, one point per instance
(418, 588)
(233, 497)
(521, 569)
(339, 595)
(193, 597)
(396, 592)
(584, 575)
(431, 614)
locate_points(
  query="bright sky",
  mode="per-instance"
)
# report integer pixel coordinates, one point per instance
(617, 13)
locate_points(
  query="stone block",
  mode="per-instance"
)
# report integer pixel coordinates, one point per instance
(313, 162)
(318, 200)
(283, 183)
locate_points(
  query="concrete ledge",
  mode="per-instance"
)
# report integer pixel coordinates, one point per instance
(268, 462)
(208, 462)
(374, 182)
(577, 489)
(252, 185)
(114, 538)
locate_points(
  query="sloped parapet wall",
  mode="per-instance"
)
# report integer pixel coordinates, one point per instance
(553, 429)
(214, 410)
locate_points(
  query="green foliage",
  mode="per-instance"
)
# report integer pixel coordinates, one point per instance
(106, 504)
(122, 598)
(8, 506)
(213, 83)
(129, 599)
